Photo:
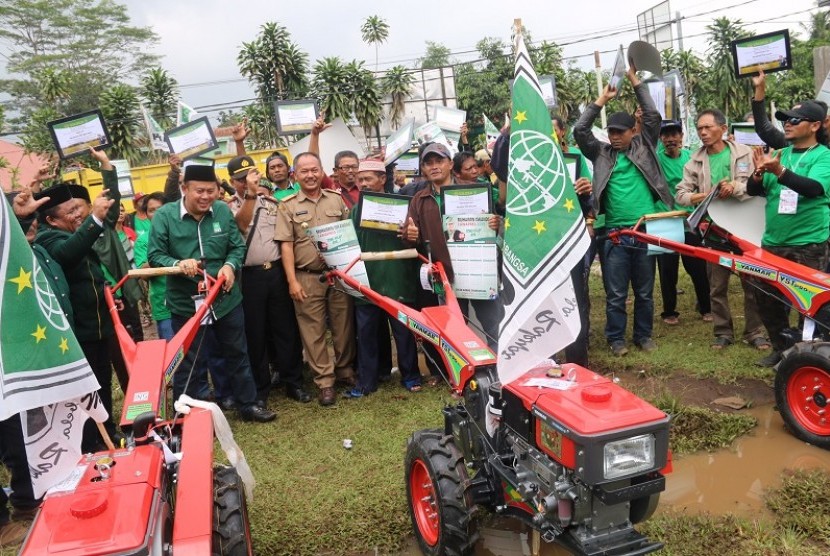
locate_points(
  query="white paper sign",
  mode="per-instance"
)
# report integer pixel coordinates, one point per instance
(337, 243)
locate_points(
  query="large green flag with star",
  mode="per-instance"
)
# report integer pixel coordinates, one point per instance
(545, 235)
(41, 362)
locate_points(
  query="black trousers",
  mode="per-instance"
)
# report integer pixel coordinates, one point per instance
(270, 319)
(98, 354)
(668, 265)
(577, 352)
(13, 456)
(773, 307)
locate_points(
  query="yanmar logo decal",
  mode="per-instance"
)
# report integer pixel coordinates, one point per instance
(755, 270)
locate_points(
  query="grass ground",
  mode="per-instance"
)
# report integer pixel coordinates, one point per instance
(315, 497)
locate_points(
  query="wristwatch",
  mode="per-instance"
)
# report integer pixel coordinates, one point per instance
(249, 197)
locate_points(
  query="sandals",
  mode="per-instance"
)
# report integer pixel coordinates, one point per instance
(433, 381)
(760, 343)
(671, 321)
(414, 388)
(721, 342)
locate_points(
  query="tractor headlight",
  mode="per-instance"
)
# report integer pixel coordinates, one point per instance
(630, 456)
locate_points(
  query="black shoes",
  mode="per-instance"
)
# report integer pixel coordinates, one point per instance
(297, 393)
(327, 396)
(257, 414)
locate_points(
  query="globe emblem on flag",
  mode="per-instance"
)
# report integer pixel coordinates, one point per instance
(538, 173)
(46, 300)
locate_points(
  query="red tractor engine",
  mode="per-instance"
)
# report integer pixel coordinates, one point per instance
(576, 457)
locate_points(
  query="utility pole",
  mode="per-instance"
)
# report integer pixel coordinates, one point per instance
(678, 19)
(598, 73)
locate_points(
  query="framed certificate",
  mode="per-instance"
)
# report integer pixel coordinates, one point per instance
(466, 199)
(447, 118)
(548, 85)
(295, 116)
(573, 163)
(618, 72)
(744, 132)
(399, 142)
(383, 212)
(125, 187)
(74, 135)
(191, 139)
(768, 52)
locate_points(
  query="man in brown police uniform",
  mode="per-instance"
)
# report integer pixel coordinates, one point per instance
(269, 311)
(313, 301)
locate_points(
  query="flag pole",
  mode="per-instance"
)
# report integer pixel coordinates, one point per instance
(105, 435)
(598, 73)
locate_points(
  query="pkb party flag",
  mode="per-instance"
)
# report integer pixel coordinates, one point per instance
(544, 237)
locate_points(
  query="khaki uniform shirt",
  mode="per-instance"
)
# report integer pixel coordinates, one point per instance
(297, 214)
(262, 245)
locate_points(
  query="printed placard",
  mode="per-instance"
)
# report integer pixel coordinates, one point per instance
(768, 52)
(337, 244)
(75, 135)
(383, 212)
(191, 139)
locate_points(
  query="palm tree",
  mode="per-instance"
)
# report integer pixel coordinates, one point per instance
(274, 64)
(333, 88)
(120, 107)
(397, 83)
(375, 31)
(818, 28)
(160, 91)
(724, 91)
(366, 96)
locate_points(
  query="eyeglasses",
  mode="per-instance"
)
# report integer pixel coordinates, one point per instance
(349, 168)
(796, 121)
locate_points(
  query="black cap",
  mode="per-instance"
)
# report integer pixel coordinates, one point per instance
(670, 125)
(808, 110)
(239, 167)
(61, 193)
(436, 148)
(621, 121)
(197, 172)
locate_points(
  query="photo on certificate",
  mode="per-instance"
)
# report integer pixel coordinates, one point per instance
(466, 199)
(295, 116)
(468, 228)
(769, 52)
(744, 133)
(382, 212)
(573, 162)
(191, 139)
(74, 135)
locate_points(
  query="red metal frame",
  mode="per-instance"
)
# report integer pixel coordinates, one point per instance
(442, 326)
(806, 288)
(151, 363)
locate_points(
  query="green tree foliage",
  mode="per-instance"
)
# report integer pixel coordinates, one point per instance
(366, 97)
(35, 135)
(161, 94)
(397, 83)
(274, 64)
(436, 56)
(790, 87)
(375, 30)
(89, 43)
(331, 84)
(120, 107)
(721, 89)
(483, 88)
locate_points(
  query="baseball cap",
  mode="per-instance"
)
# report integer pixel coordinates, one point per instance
(482, 155)
(808, 110)
(621, 121)
(239, 167)
(436, 148)
(671, 125)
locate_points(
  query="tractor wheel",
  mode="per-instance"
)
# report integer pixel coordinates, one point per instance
(802, 392)
(643, 508)
(435, 481)
(231, 530)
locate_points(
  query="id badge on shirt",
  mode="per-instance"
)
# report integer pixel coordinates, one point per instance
(198, 301)
(788, 202)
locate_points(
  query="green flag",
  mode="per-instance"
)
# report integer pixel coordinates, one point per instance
(41, 362)
(545, 235)
(185, 114)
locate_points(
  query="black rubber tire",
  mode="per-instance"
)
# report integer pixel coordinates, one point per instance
(231, 529)
(814, 355)
(643, 508)
(444, 463)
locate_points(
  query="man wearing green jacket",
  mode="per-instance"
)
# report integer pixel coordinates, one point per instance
(69, 239)
(199, 233)
(393, 278)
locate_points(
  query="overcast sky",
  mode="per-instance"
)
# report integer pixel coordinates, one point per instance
(199, 40)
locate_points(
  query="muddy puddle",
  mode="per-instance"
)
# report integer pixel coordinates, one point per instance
(732, 481)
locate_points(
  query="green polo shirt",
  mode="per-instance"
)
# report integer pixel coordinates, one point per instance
(280, 194)
(175, 235)
(158, 285)
(811, 221)
(673, 170)
(627, 196)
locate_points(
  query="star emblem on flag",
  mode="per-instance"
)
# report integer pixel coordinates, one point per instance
(23, 280)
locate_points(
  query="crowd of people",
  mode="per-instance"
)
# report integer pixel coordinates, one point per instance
(275, 316)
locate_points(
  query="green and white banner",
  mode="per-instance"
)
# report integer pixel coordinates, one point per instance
(544, 238)
(185, 114)
(155, 132)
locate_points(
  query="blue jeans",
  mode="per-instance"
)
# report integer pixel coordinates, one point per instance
(229, 342)
(165, 329)
(369, 319)
(624, 264)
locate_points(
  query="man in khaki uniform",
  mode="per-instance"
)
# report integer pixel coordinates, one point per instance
(313, 300)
